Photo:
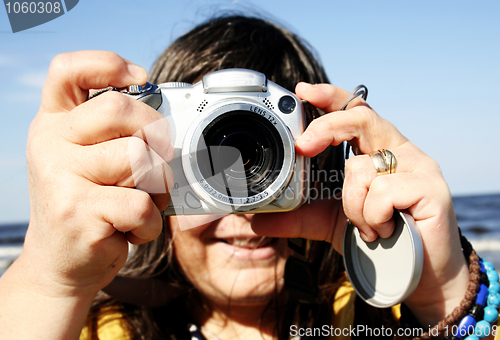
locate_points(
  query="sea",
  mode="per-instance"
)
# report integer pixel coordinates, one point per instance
(478, 217)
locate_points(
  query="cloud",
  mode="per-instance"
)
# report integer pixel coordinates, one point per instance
(6, 61)
(34, 79)
(28, 85)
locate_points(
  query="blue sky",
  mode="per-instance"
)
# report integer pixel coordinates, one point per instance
(431, 68)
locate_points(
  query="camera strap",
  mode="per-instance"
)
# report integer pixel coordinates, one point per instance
(148, 93)
(359, 91)
(301, 276)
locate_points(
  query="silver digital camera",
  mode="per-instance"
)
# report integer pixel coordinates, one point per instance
(233, 134)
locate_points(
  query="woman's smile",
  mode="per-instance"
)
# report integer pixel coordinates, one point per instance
(226, 260)
(248, 248)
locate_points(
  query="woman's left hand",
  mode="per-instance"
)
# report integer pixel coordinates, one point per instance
(369, 200)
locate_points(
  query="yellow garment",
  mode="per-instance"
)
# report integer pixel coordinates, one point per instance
(343, 312)
(112, 326)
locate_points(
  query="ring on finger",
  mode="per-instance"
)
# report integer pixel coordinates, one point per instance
(385, 162)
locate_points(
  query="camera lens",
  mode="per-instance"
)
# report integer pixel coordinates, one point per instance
(240, 153)
(287, 104)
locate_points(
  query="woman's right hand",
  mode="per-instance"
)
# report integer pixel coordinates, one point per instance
(85, 161)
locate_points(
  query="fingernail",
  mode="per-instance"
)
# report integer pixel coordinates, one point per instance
(363, 236)
(305, 138)
(137, 72)
(302, 86)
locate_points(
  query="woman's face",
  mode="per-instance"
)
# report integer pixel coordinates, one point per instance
(226, 261)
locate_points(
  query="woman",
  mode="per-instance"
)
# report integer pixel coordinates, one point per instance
(219, 280)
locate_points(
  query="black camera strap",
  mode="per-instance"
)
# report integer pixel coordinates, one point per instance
(148, 93)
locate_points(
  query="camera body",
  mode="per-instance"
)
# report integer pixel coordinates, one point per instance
(233, 136)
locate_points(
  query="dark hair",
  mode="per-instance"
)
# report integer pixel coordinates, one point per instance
(233, 41)
(239, 42)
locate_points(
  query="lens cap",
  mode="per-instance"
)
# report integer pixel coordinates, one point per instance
(385, 272)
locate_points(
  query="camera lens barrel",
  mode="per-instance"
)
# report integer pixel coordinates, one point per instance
(239, 156)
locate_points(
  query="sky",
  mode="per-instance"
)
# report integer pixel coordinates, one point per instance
(431, 68)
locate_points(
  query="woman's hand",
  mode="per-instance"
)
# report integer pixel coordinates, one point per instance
(84, 160)
(369, 200)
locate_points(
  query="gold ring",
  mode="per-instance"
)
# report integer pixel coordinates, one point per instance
(385, 162)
